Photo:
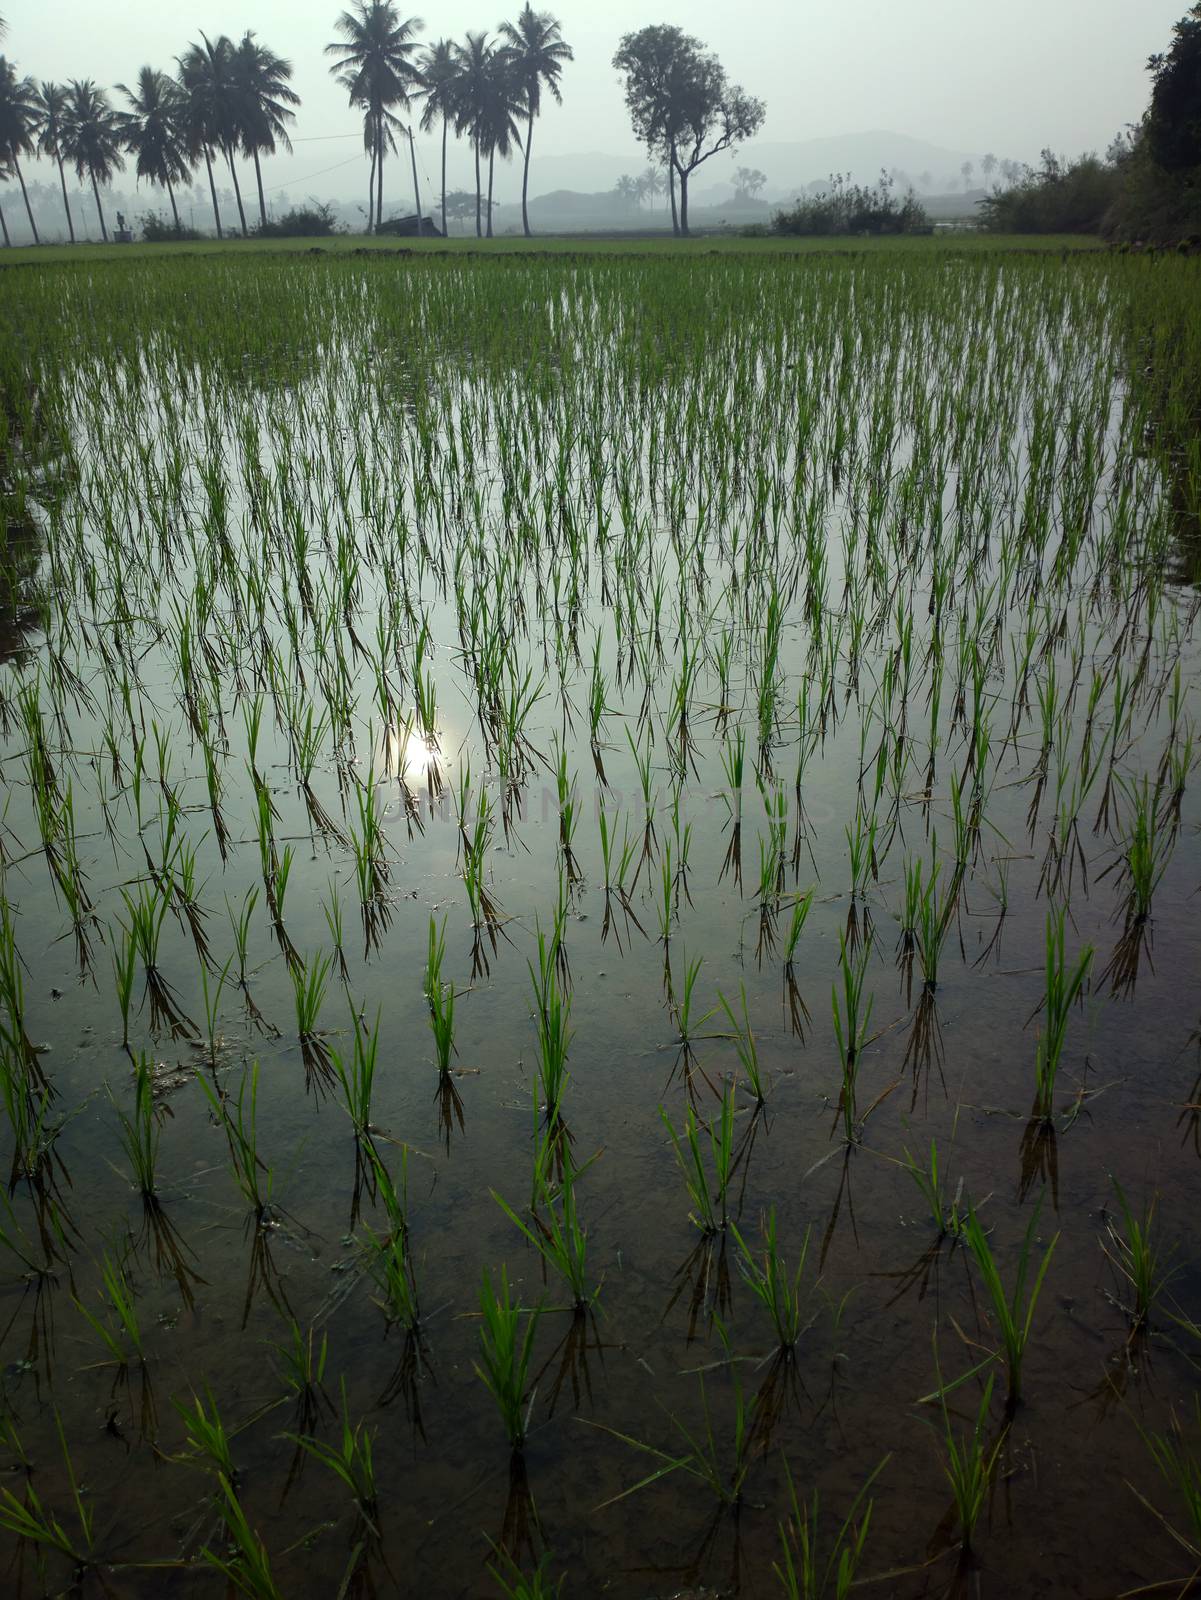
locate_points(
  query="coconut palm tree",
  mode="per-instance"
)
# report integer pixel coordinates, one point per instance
(210, 81)
(440, 90)
(91, 138)
(154, 131)
(373, 63)
(264, 99)
(52, 106)
(489, 102)
(503, 104)
(18, 127)
(538, 52)
(200, 119)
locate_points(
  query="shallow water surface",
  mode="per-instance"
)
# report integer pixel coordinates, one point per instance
(765, 679)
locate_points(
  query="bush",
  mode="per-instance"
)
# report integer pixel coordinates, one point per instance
(159, 229)
(313, 221)
(849, 208)
(1057, 197)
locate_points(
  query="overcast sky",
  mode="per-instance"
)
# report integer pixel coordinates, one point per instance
(1011, 76)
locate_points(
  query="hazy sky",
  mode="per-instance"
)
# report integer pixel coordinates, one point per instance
(1011, 76)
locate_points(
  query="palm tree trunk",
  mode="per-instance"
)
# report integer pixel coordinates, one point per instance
(8, 244)
(444, 176)
(525, 177)
(416, 190)
(208, 161)
(62, 178)
(233, 172)
(491, 170)
(479, 232)
(174, 207)
(371, 193)
(25, 197)
(258, 174)
(99, 209)
(379, 179)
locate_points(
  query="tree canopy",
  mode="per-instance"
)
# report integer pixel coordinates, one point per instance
(681, 102)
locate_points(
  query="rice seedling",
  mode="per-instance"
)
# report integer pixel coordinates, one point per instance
(441, 997)
(29, 1520)
(767, 1276)
(942, 1206)
(238, 1116)
(1140, 1261)
(704, 1457)
(515, 1584)
(301, 1368)
(387, 1254)
(802, 1572)
(744, 1042)
(555, 1232)
(709, 1196)
(505, 1351)
(1014, 1311)
(356, 1077)
(122, 1337)
(245, 1564)
(1180, 1467)
(351, 1460)
(969, 1461)
(1064, 986)
(852, 1016)
(141, 1133)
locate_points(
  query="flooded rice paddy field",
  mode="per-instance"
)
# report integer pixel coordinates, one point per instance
(599, 926)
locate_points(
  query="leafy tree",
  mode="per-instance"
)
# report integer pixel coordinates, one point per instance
(263, 105)
(747, 182)
(988, 166)
(373, 63)
(51, 107)
(460, 204)
(440, 90)
(537, 51)
(153, 130)
(18, 127)
(1174, 118)
(92, 138)
(682, 104)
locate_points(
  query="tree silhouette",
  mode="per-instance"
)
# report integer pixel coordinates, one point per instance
(52, 107)
(91, 138)
(373, 63)
(682, 104)
(538, 51)
(440, 89)
(18, 126)
(263, 102)
(208, 76)
(154, 131)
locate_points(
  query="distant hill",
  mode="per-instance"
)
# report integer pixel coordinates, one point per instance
(788, 166)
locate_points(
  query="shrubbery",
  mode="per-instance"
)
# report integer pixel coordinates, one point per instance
(1056, 197)
(158, 229)
(302, 222)
(851, 208)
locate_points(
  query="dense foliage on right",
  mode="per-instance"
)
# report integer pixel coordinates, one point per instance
(1148, 186)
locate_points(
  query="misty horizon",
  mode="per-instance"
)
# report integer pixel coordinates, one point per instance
(909, 77)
